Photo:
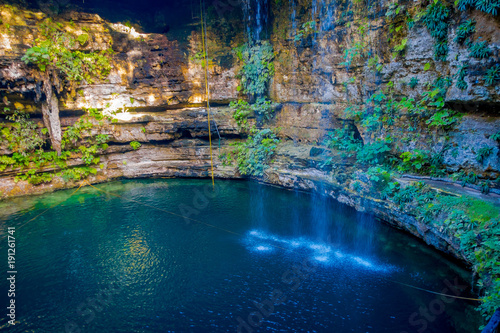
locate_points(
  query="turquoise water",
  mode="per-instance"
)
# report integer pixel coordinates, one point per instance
(252, 258)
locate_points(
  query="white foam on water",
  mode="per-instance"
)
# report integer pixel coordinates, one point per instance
(321, 258)
(263, 248)
(319, 250)
(362, 261)
(339, 254)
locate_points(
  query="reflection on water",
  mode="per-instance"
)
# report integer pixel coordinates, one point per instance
(189, 277)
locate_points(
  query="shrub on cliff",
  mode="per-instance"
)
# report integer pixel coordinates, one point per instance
(56, 54)
(257, 68)
(253, 155)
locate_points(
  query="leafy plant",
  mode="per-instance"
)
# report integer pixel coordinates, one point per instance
(308, 28)
(381, 182)
(483, 153)
(374, 63)
(82, 39)
(444, 118)
(253, 155)
(55, 50)
(487, 6)
(405, 195)
(485, 187)
(343, 139)
(401, 47)
(415, 161)
(413, 82)
(55, 53)
(436, 20)
(479, 50)
(464, 31)
(23, 135)
(257, 67)
(462, 72)
(496, 136)
(262, 108)
(374, 153)
(492, 75)
(135, 145)
(465, 178)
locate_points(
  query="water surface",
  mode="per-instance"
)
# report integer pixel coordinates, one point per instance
(131, 263)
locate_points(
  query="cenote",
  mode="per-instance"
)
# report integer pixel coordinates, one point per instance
(121, 258)
(250, 166)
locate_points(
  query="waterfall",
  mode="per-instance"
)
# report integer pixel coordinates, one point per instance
(293, 18)
(256, 14)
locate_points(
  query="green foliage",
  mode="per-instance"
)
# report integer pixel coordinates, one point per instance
(257, 68)
(420, 161)
(435, 100)
(29, 157)
(464, 31)
(135, 145)
(496, 136)
(308, 28)
(23, 136)
(78, 173)
(462, 72)
(253, 155)
(401, 47)
(485, 187)
(492, 76)
(343, 139)
(483, 153)
(358, 49)
(356, 186)
(375, 64)
(34, 178)
(436, 20)
(394, 9)
(414, 161)
(479, 50)
(413, 82)
(374, 153)
(55, 50)
(82, 39)
(444, 118)
(476, 225)
(405, 195)
(465, 178)
(6, 161)
(381, 182)
(241, 112)
(262, 108)
(487, 6)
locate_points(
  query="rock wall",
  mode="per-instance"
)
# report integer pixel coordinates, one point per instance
(315, 85)
(149, 70)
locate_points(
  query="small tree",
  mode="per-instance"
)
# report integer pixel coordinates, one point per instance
(60, 62)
